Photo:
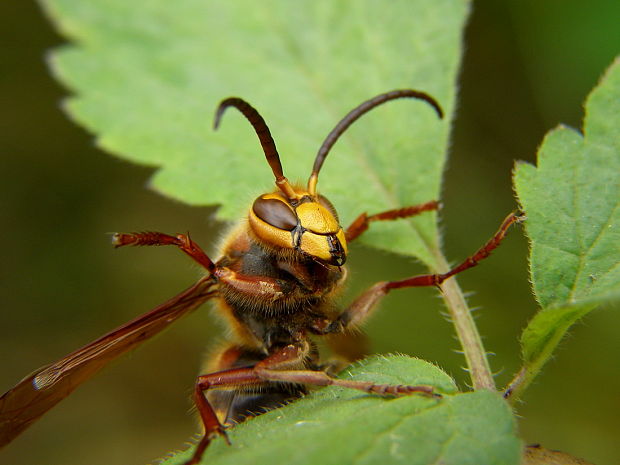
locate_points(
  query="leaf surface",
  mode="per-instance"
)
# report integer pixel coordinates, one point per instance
(147, 77)
(338, 425)
(572, 200)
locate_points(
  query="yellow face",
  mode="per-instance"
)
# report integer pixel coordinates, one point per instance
(308, 225)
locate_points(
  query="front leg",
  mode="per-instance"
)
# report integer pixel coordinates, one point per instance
(362, 222)
(264, 288)
(363, 306)
(182, 241)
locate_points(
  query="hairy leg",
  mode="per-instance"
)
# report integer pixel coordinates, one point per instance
(362, 222)
(278, 367)
(182, 241)
(362, 307)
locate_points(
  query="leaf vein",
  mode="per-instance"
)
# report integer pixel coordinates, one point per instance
(586, 252)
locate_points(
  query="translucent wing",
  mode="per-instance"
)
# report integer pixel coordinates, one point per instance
(40, 391)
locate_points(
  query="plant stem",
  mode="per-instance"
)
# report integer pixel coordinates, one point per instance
(466, 330)
(522, 379)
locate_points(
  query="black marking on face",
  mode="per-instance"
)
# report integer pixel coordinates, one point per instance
(336, 250)
(296, 235)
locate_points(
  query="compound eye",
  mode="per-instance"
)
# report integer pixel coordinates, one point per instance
(327, 204)
(276, 213)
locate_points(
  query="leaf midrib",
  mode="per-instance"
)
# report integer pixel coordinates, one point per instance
(581, 265)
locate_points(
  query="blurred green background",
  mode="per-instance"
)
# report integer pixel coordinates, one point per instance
(528, 65)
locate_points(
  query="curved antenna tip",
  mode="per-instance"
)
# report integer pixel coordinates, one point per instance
(219, 112)
(355, 114)
(264, 136)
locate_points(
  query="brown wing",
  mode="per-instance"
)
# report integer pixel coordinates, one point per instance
(39, 392)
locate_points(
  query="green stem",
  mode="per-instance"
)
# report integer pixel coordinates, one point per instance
(515, 388)
(466, 330)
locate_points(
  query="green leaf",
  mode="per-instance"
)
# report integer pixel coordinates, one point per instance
(147, 76)
(338, 425)
(572, 201)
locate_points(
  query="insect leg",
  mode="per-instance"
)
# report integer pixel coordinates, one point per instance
(320, 378)
(182, 241)
(362, 222)
(361, 307)
(279, 367)
(290, 356)
(469, 262)
(260, 287)
(212, 426)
